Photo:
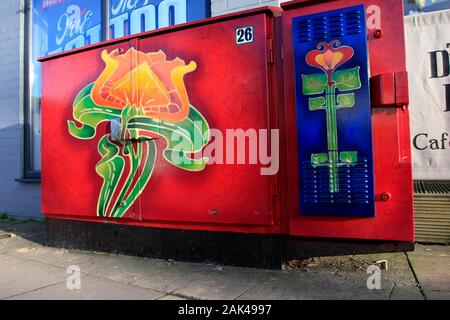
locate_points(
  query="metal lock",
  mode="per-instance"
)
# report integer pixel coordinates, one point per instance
(116, 129)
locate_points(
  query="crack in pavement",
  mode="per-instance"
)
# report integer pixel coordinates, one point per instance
(34, 290)
(416, 278)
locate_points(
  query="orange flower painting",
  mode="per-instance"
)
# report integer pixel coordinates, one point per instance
(329, 57)
(145, 80)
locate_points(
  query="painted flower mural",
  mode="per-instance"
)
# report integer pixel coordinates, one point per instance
(144, 95)
(336, 88)
(148, 81)
(329, 57)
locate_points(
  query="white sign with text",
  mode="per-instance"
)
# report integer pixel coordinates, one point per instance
(428, 59)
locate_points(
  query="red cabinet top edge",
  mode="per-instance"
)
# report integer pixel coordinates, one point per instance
(301, 3)
(269, 10)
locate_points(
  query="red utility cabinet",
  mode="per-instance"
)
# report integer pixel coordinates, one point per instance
(234, 138)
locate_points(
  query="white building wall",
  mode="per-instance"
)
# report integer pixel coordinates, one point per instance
(219, 7)
(16, 198)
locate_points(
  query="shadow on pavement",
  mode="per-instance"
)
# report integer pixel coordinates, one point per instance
(32, 230)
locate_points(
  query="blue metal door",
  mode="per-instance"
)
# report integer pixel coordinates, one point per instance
(334, 114)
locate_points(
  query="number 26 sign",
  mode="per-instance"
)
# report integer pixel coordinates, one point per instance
(245, 35)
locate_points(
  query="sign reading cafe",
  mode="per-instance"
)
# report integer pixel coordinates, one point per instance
(69, 24)
(428, 57)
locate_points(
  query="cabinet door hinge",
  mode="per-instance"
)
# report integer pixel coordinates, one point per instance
(271, 53)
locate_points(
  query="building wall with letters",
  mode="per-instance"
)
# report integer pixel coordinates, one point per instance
(16, 198)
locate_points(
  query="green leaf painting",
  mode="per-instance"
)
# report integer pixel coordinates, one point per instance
(318, 103)
(314, 84)
(346, 101)
(347, 80)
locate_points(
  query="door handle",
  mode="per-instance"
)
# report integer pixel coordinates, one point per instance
(118, 135)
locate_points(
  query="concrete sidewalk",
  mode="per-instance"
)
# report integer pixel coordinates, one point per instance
(29, 270)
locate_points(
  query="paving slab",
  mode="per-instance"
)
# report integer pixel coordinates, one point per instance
(228, 284)
(432, 267)
(316, 286)
(28, 276)
(406, 292)
(6, 261)
(121, 268)
(432, 250)
(92, 288)
(51, 256)
(11, 245)
(172, 298)
(165, 279)
(204, 281)
(437, 295)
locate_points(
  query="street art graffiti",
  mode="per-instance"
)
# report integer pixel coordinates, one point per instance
(145, 94)
(329, 58)
(334, 114)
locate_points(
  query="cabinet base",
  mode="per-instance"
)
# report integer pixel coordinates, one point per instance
(237, 249)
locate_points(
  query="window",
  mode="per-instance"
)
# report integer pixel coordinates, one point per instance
(54, 26)
(415, 6)
(135, 16)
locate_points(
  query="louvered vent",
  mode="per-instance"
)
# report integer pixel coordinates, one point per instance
(432, 187)
(330, 26)
(353, 184)
(431, 211)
